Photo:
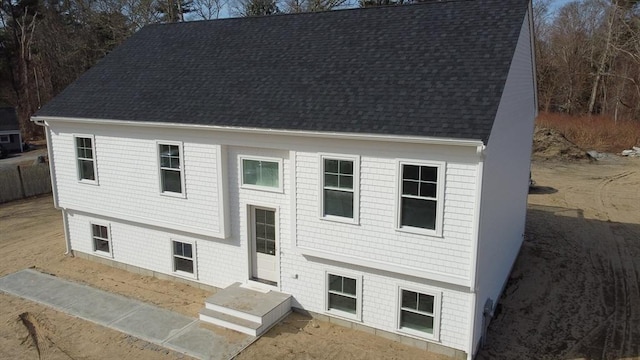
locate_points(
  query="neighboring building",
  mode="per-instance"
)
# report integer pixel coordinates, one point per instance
(10, 137)
(372, 163)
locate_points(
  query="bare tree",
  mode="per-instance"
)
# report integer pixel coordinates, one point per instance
(208, 9)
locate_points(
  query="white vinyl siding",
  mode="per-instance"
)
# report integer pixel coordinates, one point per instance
(377, 236)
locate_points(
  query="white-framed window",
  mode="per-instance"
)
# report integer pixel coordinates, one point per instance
(339, 187)
(101, 239)
(86, 158)
(419, 312)
(171, 168)
(343, 295)
(261, 173)
(4, 139)
(184, 258)
(420, 199)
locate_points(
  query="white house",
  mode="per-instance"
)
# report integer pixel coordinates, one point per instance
(371, 163)
(10, 136)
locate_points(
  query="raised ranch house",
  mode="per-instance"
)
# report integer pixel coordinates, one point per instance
(368, 165)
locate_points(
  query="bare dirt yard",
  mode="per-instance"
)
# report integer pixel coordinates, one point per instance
(574, 292)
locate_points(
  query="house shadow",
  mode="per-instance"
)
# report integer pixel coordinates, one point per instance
(542, 190)
(574, 291)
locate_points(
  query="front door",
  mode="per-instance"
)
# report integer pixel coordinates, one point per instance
(264, 264)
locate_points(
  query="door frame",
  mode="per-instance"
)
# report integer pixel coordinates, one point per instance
(250, 228)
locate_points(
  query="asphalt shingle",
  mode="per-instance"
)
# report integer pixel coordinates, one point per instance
(431, 69)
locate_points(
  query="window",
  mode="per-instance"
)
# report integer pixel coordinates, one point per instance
(418, 313)
(265, 228)
(343, 295)
(420, 196)
(171, 175)
(183, 257)
(260, 173)
(339, 189)
(100, 236)
(5, 139)
(86, 159)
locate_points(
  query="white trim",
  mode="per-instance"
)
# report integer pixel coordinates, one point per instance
(532, 50)
(8, 136)
(437, 311)
(10, 132)
(194, 259)
(223, 190)
(475, 239)
(278, 189)
(169, 226)
(385, 266)
(179, 144)
(317, 134)
(94, 159)
(293, 193)
(441, 166)
(356, 187)
(109, 239)
(336, 312)
(52, 173)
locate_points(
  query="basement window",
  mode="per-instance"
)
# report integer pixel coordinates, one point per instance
(184, 259)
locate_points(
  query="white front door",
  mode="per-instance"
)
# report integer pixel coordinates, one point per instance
(264, 264)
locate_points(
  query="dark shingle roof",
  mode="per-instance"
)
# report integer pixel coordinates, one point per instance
(8, 119)
(431, 69)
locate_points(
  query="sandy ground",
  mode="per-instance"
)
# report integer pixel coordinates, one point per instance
(573, 294)
(31, 235)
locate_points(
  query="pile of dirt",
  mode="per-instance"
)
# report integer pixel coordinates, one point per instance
(549, 144)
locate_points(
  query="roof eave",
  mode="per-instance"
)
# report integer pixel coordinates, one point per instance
(42, 120)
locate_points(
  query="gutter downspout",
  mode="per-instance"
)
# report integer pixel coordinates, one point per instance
(474, 254)
(54, 188)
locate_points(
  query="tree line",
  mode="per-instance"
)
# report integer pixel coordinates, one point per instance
(588, 57)
(587, 51)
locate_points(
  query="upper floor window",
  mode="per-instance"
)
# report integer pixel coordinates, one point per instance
(171, 170)
(261, 173)
(340, 180)
(85, 154)
(420, 197)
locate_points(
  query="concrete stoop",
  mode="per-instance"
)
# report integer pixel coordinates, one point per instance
(246, 310)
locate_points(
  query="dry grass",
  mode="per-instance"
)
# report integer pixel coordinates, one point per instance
(599, 133)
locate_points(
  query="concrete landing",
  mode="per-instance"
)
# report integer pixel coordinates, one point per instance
(153, 324)
(246, 310)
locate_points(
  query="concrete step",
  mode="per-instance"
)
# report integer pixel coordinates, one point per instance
(248, 304)
(230, 322)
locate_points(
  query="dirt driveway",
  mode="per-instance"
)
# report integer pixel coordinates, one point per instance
(573, 294)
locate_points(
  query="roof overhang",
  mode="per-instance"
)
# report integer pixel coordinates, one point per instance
(44, 120)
